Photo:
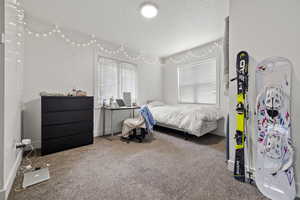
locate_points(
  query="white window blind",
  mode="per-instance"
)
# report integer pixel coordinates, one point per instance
(128, 80)
(113, 78)
(197, 83)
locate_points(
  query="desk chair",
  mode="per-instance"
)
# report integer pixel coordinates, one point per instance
(135, 136)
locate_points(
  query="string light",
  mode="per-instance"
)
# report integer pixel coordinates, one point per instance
(92, 41)
(204, 52)
(15, 46)
(57, 31)
(12, 24)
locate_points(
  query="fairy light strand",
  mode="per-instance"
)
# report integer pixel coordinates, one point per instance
(15, 43)
(205, 52)
(92, 41)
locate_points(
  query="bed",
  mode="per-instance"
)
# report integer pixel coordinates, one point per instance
(193, 119)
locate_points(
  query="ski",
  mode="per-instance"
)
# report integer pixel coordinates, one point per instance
(241, 114)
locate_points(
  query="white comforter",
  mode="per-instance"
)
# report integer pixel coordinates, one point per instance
(188, 117)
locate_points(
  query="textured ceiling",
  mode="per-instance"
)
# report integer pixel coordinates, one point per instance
(180, 24)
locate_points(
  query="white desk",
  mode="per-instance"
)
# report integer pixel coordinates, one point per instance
(112, 110)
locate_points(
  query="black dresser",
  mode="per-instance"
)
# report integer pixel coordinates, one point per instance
(67, 122)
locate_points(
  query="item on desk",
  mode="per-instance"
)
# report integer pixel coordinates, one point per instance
(76, 92)
(115, 105)
(120, 102)
(111, 100)
(43, 93)
(127, 98)
(81, 93)
(134, 104)
(72, 93)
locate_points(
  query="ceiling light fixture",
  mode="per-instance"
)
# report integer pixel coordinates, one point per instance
(149, 10)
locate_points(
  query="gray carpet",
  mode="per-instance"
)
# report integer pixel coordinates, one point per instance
(167, 167)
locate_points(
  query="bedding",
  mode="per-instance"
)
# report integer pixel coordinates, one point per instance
(194, 119)
(155, 103)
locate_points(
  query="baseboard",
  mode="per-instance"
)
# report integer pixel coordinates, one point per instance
(230, 166)
(11, 178)
(2, 194)
(98, 133)
(298, 190)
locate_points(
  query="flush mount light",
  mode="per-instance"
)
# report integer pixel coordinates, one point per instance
(149, 10)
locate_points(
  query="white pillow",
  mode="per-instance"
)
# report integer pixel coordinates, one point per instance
(156, 104)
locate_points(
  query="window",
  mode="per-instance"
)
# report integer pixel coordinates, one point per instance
(113, 78)
(128, 80)
(197, 83)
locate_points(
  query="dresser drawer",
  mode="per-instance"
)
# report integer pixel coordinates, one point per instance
(54, 104)
(67, 117)
(56, 131)
(60, 144)
(67, 122)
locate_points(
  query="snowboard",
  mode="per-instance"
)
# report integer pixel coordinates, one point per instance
(274, 157)
(241, 114)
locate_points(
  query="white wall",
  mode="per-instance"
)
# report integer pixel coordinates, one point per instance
(54, 66)
(12, 96)
(170, 84)
(1, 101)
(264, 29)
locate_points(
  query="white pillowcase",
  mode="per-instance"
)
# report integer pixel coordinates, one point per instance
(156, 104)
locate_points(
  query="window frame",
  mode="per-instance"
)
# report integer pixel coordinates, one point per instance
(194, 63)
(97, 94)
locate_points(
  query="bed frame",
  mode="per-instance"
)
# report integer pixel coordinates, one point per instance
(186, 132)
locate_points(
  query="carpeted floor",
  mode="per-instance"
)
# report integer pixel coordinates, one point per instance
(168, 167)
